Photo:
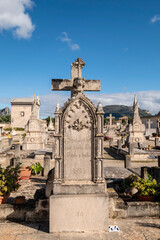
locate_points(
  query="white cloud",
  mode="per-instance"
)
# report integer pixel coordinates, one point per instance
(125, 49)
(13, 17)
(155, 18)
(148, 100)
(64, 38)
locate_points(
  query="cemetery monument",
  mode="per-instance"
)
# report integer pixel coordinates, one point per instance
(136, 129)
(78, 206)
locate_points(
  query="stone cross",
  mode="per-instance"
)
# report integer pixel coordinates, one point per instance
(110, 119)
(149, 123)
(74, 82)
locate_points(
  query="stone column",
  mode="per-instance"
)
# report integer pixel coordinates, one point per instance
(119, 144)
(110, 142)
(58, 137)
(0, 146)
(10, 140)
(47, 165)
(156, 142)
(127, 161)
(99, 140)
(131, 149)
(17, 153)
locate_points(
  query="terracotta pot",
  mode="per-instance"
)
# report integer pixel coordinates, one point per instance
(3, 199)
(25, 173)
(20, 200)
(146, 198)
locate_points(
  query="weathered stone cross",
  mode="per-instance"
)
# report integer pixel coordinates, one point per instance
(110, 119)
(149, 123)
(76, 73)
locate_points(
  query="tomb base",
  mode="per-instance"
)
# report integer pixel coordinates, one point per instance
(33, 142)
(83, 216)
(79, 187)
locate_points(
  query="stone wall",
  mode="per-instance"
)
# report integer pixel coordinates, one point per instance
(20, 114)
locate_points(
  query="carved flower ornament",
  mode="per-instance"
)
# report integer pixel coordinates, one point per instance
(79, 125)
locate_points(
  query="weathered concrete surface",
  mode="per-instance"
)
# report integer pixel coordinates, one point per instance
(132, 229)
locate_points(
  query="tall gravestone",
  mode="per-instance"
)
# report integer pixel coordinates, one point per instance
(78, 205)
(33, 139)
(136, 129)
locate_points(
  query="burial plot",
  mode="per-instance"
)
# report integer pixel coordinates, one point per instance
(79, 200)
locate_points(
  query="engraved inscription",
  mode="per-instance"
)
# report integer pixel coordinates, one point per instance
(79, 214)
(77, 143)
(78, 170)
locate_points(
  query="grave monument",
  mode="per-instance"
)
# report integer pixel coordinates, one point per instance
(111, 128)
(78, 206)
(137, 128)
(33, 139)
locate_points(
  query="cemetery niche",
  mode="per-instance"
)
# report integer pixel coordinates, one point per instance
(79, 200)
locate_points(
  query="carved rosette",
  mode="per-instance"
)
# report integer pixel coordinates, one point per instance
(83, 117)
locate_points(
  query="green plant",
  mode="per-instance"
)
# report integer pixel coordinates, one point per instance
(23, 136)
(18, 129)
(8, 129)
(147, 187)
(9, 179)
(5, 118)
(36, 168)
(127, 182)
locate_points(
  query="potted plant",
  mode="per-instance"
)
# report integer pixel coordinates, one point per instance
(25, 173)
(36, 168)
(147, 189)
(9, 181)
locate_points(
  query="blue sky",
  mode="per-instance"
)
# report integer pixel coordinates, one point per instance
(118, 39)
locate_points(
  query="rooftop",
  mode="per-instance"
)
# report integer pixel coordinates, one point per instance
(22, 101)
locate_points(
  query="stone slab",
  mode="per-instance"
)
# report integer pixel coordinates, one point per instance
(81, 187)
(79, 213)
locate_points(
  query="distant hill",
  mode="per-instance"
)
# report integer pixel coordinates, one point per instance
(5, 111)
(121, 110)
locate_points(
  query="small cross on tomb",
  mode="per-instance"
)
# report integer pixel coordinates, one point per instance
(76, 83)
(149, 123)
(110, 119)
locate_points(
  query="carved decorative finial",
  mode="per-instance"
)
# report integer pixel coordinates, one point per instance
(58, 106)
(99, 107)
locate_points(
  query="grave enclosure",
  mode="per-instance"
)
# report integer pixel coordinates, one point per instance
(79, 201)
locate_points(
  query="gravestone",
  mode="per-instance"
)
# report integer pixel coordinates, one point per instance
(79, 201)
(33, 139)
(136, 129)
(111, 128)
(149, 130)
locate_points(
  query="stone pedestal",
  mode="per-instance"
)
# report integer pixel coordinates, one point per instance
(79, 213)
(127, 161)
(33, 139)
